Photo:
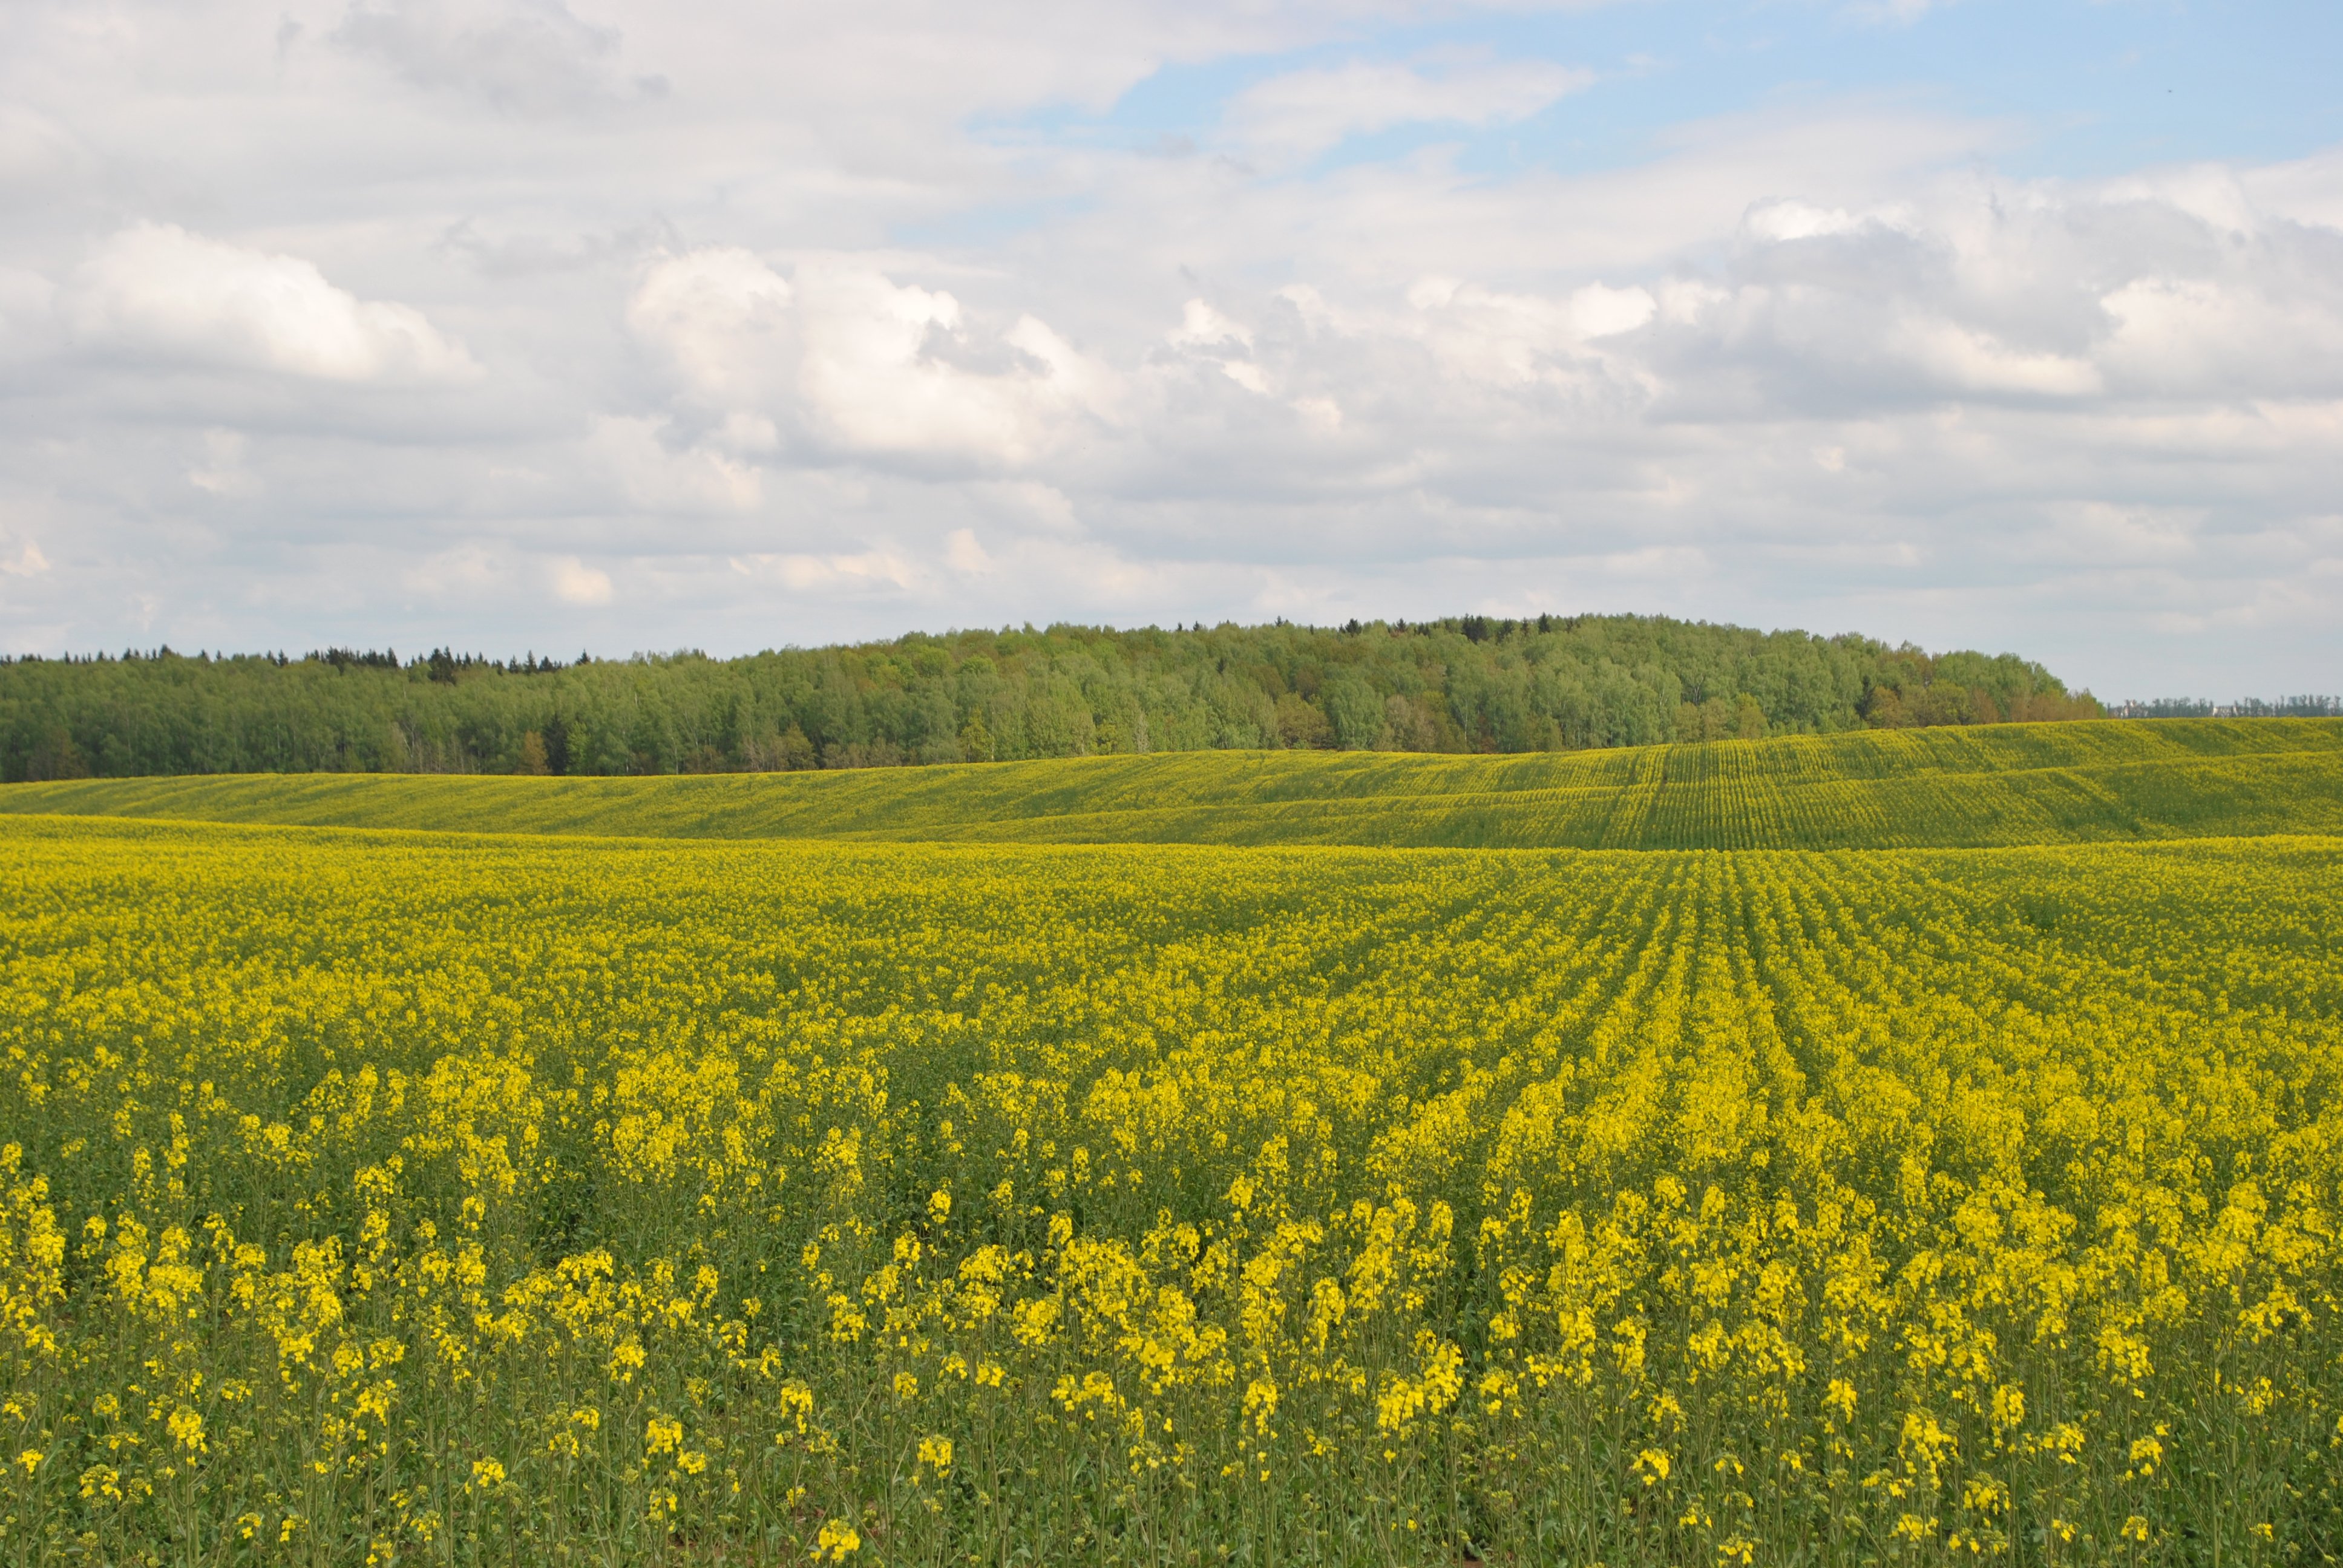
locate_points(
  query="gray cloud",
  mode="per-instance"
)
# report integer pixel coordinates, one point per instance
(534, 56)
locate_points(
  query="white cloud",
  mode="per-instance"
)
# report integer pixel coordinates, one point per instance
(883, 572)
(1596, 311)
(720, 316)
(962, 553)
(1304, 112)
(893, 368)
(465, 571)
(2184, 334)
(1322, 415)
(1519, 339)
(1426, 293)
(2309, 190)
(1028, 506)
(864, 363)
(575, 582)
(1783, 222)
(1201, 326)
(26, 562)
(1247, 375)
(1899, 12)
(157, 288)
(655, 473)
(1214, 339)
(1966, 359)
(2105, 534)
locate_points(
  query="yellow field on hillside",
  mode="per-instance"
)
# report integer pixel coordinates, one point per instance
(2002, 784)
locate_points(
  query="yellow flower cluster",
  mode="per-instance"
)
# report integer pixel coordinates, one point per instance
(397, 1199)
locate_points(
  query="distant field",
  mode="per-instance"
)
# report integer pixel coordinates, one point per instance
(1951, 787)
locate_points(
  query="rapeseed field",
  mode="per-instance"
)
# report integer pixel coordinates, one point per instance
(1990, 785)
(388, 1198)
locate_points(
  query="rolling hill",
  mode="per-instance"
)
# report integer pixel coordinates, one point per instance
(1952, 787)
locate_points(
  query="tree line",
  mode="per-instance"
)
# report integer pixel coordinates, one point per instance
(1468, 683)
(2308, 706)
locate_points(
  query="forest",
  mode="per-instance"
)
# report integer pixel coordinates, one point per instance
(1458, 685)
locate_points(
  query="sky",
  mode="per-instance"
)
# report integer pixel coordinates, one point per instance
(558, 324)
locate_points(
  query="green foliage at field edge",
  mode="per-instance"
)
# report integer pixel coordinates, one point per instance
(1468, 684)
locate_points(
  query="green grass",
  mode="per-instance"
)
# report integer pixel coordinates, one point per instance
(1999, 785)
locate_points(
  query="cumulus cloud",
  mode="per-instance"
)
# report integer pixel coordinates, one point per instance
(1505, 340)
(472, 570)
(2178, 334)
(1598, 311)
(721, 317)
(1778, 222)
(575, 582)
(1201, 326)
(1207, 337)
(964, 554)
(656, 470)
(26, 561)
(1960, 358)
(2001, 291)
(879, 572)
(893, 367)
(863, 362)
(1894, 12)
(156, 289)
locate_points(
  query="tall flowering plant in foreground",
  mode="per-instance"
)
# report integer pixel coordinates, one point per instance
(408, 1202)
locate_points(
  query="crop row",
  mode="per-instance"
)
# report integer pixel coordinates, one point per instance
(1994, 785)
(461, 1200)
